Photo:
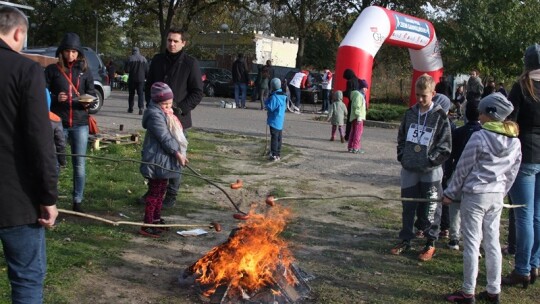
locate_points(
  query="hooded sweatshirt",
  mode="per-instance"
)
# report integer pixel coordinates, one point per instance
(137, 66)
(358, 107)
(338, 110)
(432, 130)
(489, 162)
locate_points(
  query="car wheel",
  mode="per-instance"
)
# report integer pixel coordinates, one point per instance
(96, 106)
(210, 91)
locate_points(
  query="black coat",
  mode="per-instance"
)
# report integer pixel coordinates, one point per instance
(27, 162)
(72, 112)
(526, 113)
(183, 75)
(239, 72)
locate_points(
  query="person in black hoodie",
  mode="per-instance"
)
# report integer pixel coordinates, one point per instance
(182, 74)
(67, 79)
(240, 76)
(28, 181)
(137, 68)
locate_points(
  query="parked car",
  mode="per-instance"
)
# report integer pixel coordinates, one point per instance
(218, 82)
(313, 91)
(98, 69)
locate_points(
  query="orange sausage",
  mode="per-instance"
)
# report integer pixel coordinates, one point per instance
(270, 201)
(239, 184)
(240, 216)
(216, 226)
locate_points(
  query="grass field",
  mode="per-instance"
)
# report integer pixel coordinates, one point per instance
(343, 243)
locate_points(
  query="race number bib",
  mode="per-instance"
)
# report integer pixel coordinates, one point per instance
(419, 135)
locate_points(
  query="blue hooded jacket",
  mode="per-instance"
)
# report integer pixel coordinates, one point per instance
(276, 105)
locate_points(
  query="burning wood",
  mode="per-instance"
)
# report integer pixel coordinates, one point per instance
(254, 264)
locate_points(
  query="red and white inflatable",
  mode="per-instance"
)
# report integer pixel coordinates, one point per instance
(377, 25)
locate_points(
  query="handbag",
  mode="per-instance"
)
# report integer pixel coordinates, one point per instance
(92, 125)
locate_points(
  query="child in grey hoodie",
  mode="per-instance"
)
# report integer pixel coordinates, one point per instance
(424, 144)
(338, 113)
(485, 172)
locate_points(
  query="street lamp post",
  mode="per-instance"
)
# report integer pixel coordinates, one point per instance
(224, 27)
(96, 14)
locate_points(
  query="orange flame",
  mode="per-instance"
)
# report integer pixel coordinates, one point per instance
(250, 258)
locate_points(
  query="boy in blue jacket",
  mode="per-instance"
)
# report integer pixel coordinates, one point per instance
(275, 105)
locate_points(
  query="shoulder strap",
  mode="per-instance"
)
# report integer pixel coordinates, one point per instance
(68, 80)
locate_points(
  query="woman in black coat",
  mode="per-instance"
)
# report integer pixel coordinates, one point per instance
(67, 80)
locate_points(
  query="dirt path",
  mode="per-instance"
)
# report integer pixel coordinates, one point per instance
(150, 268)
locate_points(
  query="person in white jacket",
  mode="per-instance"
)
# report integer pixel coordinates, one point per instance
(484, 174)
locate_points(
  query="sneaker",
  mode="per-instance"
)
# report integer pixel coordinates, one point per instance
(453, 244)
(169, 201)
(77, 208)
(460, 297)
(427, 253)
(274, 158)
(325, 112)
(419, 234)
(444, 234)
(150, 232)
(490, 298)
(400, 248)
(359, 151)
(161, 222)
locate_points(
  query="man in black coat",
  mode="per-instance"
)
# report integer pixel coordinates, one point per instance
(28, 178)
(137, 68)
(182, 73)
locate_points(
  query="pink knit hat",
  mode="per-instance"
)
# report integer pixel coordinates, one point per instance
(160, 92)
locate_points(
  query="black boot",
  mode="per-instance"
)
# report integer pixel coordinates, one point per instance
(169, 201)
(77, 208)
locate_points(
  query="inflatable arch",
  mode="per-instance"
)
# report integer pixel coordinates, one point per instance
(377, 25)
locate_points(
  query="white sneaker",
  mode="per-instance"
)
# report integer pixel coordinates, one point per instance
(453, 244)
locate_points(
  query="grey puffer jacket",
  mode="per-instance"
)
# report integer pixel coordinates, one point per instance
(159, 146)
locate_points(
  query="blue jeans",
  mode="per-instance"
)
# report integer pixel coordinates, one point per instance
(325, 100)
(275, 141)
(526, 191)
(24, 251)
(77, 137)
(297, 94)
(240, 90)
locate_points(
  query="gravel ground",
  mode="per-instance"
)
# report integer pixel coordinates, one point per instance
(377, 167)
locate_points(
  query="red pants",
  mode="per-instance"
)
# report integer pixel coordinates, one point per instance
(154, 200)
(355, 137)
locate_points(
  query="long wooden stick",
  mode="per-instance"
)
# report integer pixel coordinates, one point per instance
(212, 225)
(402, 199)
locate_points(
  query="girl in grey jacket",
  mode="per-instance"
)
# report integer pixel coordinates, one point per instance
(163, 153)
(484, 174)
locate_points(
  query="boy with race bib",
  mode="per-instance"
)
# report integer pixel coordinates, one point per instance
(424, 143)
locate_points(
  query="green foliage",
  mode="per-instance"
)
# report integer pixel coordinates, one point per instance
(385, 112)
(489, 35)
